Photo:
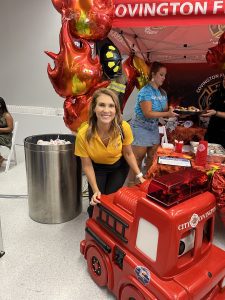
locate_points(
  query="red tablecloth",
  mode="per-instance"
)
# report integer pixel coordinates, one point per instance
(218, 188)
(186, 134)
(159, 169)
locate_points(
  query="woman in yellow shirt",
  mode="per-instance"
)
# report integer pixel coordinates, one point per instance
(104, 145)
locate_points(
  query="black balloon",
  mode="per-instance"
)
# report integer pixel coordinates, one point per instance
(110, 58)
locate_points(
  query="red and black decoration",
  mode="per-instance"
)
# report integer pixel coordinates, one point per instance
(110, 58)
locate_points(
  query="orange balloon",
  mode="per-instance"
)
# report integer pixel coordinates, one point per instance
(75, 71)
(89, 19)
(131, 74)
(143, 70)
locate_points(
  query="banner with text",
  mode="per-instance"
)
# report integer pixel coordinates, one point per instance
(139, 13)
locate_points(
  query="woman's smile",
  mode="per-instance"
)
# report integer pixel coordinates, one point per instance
(105, 109)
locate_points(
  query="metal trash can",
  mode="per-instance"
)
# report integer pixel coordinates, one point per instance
(53, 179)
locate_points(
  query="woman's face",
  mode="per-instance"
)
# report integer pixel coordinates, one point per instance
(160, 76)
(105, 109)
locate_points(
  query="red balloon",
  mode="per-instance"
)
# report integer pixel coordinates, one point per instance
(131, 74)
(58, 4)
(90, 20)
(76, 109)
(75, 71)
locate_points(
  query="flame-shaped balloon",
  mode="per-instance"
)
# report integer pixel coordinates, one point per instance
(75, 71)
(143, 69)
(131, 74)
(89, 19)
(76, 109)
(59, 5)
(216, 55)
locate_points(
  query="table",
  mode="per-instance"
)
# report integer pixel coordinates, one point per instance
(159, 169)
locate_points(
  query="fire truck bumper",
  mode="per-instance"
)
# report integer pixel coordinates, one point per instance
(204, 279)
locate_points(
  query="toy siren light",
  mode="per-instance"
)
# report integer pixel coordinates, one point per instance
(169, 190)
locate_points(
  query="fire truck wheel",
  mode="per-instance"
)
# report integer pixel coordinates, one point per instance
(130, 292)
(97, 266)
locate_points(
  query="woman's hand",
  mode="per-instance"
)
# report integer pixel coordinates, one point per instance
(209, 113)
(171, 113)
(95, 199)
(142, 179)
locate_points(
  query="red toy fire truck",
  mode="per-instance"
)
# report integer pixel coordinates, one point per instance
(154, 241)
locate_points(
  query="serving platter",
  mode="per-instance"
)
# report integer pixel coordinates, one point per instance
(188, 112)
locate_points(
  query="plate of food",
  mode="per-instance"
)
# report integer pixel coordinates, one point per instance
(190, 110)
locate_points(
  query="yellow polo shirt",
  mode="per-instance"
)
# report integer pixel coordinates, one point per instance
(97, 151)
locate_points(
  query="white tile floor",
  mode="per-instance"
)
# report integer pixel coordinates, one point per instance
(43, 261)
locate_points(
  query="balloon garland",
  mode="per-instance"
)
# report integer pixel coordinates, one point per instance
(78, 72)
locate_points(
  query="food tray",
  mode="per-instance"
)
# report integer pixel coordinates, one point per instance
(216, 153)
(187, 112)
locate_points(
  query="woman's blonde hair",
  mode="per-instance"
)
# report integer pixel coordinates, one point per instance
(115, 128)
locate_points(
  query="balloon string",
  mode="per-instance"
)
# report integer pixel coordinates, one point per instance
(148, 57)
(139, 48)
(126, 42)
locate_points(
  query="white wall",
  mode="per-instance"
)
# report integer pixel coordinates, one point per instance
(27, 28)
(29, 125)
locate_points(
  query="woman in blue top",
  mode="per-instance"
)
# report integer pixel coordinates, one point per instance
(151, 104)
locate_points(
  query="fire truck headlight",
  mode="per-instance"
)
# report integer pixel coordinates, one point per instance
(222, 284)
(187, 242)
(181, 247)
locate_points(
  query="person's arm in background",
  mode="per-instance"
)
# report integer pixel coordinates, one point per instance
(146, 107)
(213, 112)
(131, 160)
(9, 121)
(89, 172)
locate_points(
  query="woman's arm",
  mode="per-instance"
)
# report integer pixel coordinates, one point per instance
(146, 107)
(213, 112)
(89, 172)
(9, 121)
(131, 160)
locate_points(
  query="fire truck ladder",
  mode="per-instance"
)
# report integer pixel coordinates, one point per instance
(109, 221)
